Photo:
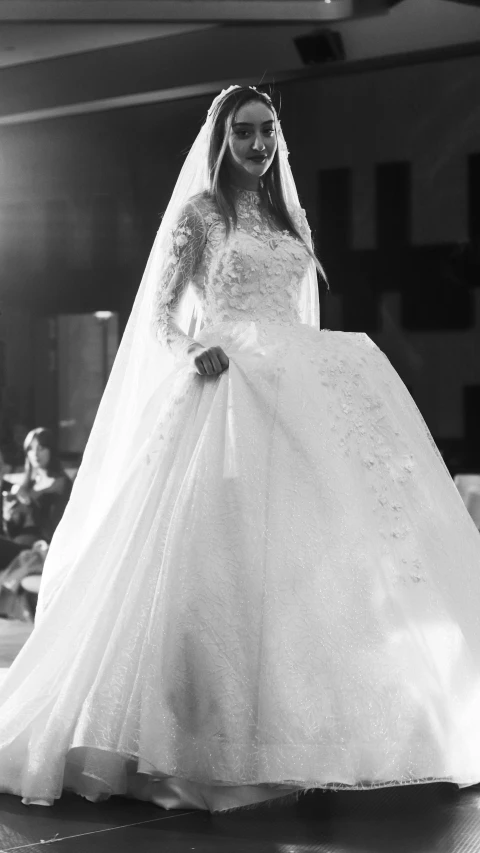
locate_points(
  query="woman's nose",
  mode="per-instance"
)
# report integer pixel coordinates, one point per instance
(258, 143)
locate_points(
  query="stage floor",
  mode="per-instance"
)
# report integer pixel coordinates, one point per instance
(413, 819)
(433, 819)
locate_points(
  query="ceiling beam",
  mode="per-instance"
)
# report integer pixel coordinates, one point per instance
(298, 11)
(142, 99)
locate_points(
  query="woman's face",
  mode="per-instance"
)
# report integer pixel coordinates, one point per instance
(253, 141)
(38, 456)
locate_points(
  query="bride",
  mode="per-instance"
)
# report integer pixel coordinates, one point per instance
(265, 580)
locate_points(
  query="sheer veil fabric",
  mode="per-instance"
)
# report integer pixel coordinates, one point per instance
(140, 368)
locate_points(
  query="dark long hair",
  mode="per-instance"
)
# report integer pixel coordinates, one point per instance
(45, 439)
(271, 192)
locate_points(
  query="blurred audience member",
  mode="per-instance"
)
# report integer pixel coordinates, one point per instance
(31, 513)
(35, 507)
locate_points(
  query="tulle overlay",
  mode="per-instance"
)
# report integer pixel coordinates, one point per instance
(289, 595)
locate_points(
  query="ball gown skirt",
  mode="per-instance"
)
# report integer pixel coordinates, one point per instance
(284, 594)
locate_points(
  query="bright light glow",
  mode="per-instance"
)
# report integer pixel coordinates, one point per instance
(103, 315)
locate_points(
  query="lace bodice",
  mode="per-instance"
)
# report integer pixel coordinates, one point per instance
(254, 273)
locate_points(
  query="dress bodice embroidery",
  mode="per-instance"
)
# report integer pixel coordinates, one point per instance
(252, 274)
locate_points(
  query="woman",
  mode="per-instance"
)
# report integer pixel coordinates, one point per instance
(31, 514)
(265, 580)
(38, 504)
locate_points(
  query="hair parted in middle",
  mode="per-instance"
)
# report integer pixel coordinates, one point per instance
(45, 439)
(271, 192)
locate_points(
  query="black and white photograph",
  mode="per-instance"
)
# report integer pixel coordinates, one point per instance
(240, 426)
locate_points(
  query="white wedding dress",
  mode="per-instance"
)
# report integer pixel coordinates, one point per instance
(296, 605)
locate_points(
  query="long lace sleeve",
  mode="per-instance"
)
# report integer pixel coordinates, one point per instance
(183, 258)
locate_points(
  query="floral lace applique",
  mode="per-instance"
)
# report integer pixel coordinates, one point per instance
(254, 274)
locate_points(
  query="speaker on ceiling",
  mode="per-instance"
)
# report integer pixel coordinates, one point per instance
(320, 46)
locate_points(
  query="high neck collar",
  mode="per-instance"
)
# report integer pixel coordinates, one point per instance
(247, 195)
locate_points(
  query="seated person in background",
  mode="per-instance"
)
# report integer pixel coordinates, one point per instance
(31, 513)
(34, 509)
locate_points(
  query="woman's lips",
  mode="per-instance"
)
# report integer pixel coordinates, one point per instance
(259, 159)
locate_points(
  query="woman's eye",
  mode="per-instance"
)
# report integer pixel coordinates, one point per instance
(244, 133)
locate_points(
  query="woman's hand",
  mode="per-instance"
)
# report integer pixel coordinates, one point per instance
(22, 496)
(211, 361)
(8, 507)
(11, 510)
